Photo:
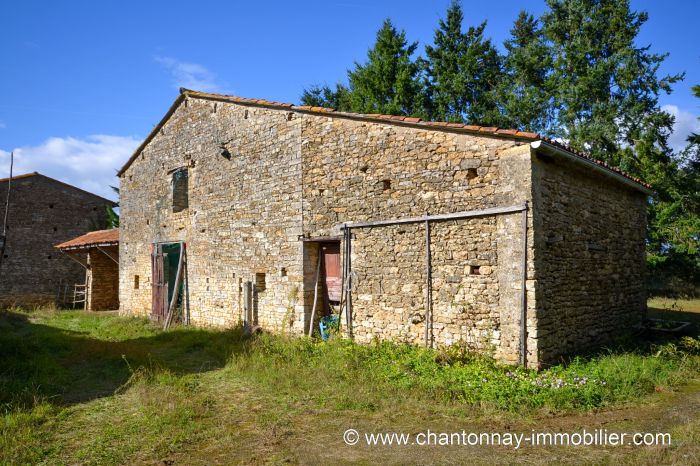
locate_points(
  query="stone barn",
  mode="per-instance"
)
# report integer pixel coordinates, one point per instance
(423, 232)
(98, 253)
(43, 212)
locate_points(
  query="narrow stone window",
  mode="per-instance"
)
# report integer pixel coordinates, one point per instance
(283, 272)
(260, 282)
(386, 185)
(474, 270)
(180, 190)
(136, 282)
(55, 228)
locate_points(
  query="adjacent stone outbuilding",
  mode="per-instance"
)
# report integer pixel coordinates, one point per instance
(98, 253)
(455, 232)
(43, 212)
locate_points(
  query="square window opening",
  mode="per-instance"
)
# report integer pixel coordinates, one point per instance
(260, 282)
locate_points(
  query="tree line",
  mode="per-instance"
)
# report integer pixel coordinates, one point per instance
(575, 73)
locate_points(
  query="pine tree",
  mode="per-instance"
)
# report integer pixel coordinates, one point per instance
(462, 72)
(525, 93)
(695, 138)
(324, 96)
(388, 81)
(607, 88)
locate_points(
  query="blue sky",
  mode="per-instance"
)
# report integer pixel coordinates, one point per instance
(84, 82)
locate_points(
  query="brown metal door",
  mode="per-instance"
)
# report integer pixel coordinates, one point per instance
(159, 287)
(331, 267)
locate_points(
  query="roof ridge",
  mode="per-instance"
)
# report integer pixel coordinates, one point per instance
(35, 173)
(19, 177)
(381, 116)
(376, 117)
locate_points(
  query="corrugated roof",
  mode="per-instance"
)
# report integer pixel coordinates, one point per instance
(391, 119)
(93, 238)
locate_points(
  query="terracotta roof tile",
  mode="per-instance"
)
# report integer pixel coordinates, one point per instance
(99, 237)
(585, 156)
(525, 134)
(507, 131)
(503, 132)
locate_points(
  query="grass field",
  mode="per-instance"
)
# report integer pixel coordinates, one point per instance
(79, 388)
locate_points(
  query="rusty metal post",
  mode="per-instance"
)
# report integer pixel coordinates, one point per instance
(523, 293)
(428, 287)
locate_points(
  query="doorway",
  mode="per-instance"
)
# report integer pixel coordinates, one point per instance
(330, 260)
(166, 260)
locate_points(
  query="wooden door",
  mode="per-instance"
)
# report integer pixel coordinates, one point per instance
(159, 286)
(331, 268)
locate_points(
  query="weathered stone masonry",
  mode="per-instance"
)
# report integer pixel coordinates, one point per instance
(265, 176)
(44, 212)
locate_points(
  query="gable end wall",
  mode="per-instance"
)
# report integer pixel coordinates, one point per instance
(590, 257)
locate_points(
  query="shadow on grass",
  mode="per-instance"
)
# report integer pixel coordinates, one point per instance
(40, 361)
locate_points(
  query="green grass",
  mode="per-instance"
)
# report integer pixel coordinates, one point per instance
(674, 304)
(88, 388)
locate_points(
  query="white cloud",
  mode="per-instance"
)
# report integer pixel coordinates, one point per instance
(90, 163)
(685, 124)
(190, 75)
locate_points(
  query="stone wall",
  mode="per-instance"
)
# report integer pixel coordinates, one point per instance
(590, 257)
(43, 213)
(243, 217)
(103, 279)
(262, 179)
(356, 171)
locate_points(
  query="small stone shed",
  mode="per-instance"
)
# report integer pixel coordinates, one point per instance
(44, 211)
(98, 253)
(429, 233)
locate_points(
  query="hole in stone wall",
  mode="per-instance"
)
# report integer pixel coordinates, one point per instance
(148, 222)
(136, 282)
(55, 229)
(283, 272)
(50, 206)
(364, 168)
(471, 173)
(48, 257)
(260, 282)
(245, 115)
(474, 270)
(386, 185)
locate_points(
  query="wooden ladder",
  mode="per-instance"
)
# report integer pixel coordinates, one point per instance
(79, 294)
